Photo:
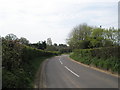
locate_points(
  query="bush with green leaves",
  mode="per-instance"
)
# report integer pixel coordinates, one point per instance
(107, 58)
(20, 63)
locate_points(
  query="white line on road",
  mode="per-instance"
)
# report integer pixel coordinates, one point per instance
(60, 61)
(72, 71)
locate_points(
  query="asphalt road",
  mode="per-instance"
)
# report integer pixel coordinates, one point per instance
(61, 72)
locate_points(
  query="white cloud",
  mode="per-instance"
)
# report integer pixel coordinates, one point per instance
(40, 19)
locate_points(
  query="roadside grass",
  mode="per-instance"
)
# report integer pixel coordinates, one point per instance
(34, 68)
(20, 64)
(65, 54)
(110, 64)
(24, 76)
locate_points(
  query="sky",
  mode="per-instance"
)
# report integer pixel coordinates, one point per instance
(38, 20)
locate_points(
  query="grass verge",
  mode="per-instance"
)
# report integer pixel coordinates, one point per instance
(24, 76)
(110, 64)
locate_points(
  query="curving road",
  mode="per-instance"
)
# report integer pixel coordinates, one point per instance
(61, 72)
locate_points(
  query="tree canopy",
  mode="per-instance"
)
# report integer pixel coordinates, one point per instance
(84, 36)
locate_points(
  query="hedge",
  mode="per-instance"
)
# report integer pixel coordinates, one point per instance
(105, 58)
(19, 64)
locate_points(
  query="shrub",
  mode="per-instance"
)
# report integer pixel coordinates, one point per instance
(105, 58)
(18, 69)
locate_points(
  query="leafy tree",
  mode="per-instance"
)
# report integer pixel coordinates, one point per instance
(62, 45)
(44, 45)
(79, 35)
(40, 45)
(11, 37)
(84, 36)
(23, 40)
(51, 48)
(55, 44)
(97, 37)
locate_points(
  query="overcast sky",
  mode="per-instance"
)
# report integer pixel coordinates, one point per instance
(38, 20)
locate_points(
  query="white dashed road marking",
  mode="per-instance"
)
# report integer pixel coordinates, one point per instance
(69, 69)
(72, 71)
(60, 61)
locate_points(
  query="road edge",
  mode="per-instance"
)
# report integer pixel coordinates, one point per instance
(95, 68)
(40, 80)
(42, 83)
(40, 76)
